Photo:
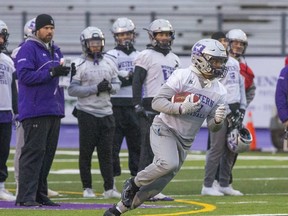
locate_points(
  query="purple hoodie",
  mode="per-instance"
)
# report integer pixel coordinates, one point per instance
(281, 96)
(39, 93)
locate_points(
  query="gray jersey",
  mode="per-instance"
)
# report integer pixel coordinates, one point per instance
(6, 70)
(158, 66)
(186, 80)
(234, 83)
(125, 65)
(84, 85)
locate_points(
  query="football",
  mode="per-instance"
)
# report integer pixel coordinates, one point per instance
(180, 97)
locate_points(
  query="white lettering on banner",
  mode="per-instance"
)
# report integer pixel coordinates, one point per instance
(266, 70)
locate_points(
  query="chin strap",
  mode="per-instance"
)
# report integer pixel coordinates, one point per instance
(207, 83)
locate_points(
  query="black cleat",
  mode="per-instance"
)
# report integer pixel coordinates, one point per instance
(29, 204)
(112, 212)
(129, 192)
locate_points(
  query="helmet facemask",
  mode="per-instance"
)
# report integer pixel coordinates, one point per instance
(209, 56)
(29, 28)
(239, 140)
(94, 48)
(162, 27)
(237, 48)
(215, 67)
(123, 30)
(93, 42)
(164, 44)
(125, 39)
(237, 40)
(5, 35)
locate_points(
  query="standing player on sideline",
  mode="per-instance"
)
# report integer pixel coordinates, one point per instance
(219, 158)
(95, 80)
(174, 129)
(8, 107)
(153, 66)
(126, 120)
(238, 43)
(29, 28)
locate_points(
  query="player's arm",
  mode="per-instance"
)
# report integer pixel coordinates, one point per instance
(250, 93)
(281, 95)
(217, 116)
(243, 100)
(115, 83)
(14, 94)
(138, 80)
(77, 90)
(125, 77)
(161, 102)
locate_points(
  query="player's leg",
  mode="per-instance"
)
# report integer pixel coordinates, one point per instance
(154, 177)
(19, 145)
(87, 137)
(146, 155)
(104, 153)
(118, 139)
(5, 138)
(216, 181)
(213, 156)
(132, 134)
(225, 172)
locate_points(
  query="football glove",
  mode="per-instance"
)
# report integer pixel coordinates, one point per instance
(220, 114)
(188, 106)
(59, 71)
(103, 86)
(236, 119)
(140, 111)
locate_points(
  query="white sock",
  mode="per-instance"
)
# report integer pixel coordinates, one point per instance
(121, 208)
(2, 185)
(136, 182)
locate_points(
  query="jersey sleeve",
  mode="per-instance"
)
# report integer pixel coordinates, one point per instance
(281, 95)
(143, 60)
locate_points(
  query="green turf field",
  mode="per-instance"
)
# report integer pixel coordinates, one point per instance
(261, 176)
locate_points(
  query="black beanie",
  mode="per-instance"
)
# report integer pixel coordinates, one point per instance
(43, 20)
(218, 35)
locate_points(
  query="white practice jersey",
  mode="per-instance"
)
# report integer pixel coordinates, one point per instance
(186, 80)
(159, 68)
(89, 75)
(234, 83)
(125, 64)
(6, 70)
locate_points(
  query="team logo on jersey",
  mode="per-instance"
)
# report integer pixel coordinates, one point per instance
(198, 48)
(2, 78)
(126, 65)
(167, 71)
(232, 75)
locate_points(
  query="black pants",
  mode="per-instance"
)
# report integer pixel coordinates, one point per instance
(5, 139)
(41, 138)
(127, 125)
(146, 155)
(96, 133)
